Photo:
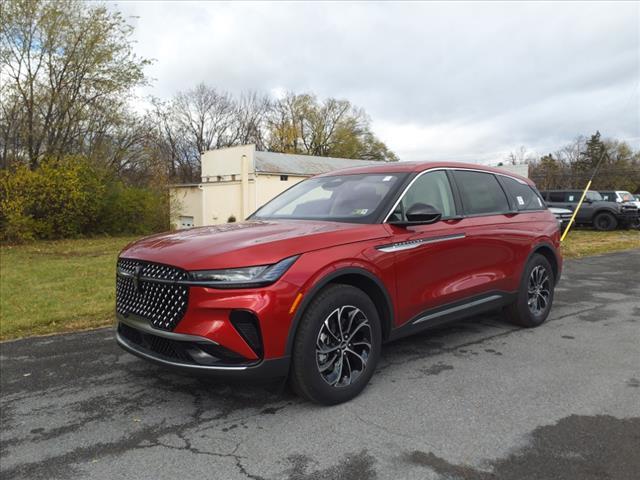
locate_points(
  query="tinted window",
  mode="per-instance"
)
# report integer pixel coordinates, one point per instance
(556, 196)
(431, 188)
(481, 193)
(573, 197)
(608, 196)
(522, 196)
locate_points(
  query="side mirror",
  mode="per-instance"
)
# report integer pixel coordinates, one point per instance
(420, 214)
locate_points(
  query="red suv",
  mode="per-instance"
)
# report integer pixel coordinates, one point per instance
(317, 279)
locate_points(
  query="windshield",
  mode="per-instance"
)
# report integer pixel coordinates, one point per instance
(346, 198)
(626, 196)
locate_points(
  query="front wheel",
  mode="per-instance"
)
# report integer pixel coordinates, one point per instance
(535, 296)
(337, 345)
(605, 222)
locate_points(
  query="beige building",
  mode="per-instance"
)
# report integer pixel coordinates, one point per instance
(238, 180)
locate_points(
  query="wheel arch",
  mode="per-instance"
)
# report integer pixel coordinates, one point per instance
(605, 210)
(551, 254)
(356, 277)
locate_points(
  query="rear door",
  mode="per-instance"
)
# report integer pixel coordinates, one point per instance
(497, 244)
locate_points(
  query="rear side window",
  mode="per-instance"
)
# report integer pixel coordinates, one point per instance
(481, 193)
(521, 195)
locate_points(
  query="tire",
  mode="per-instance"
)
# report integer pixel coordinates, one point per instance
(605, 222)
(323, 378)
(532, 306)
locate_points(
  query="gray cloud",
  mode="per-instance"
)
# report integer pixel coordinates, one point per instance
(467, 81)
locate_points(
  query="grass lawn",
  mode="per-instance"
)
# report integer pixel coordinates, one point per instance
(582, 242)
(49, 287)
(56, 286)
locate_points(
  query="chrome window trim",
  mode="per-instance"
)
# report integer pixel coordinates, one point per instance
(435, 169)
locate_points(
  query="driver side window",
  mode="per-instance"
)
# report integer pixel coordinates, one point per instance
(433, 189)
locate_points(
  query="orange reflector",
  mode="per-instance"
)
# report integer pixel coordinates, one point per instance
(295, 303)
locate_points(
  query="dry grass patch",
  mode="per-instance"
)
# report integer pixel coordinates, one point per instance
(582, 243)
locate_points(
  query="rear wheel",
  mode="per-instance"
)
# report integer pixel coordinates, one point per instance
(535, 296)
(605, 222)
(337, 345)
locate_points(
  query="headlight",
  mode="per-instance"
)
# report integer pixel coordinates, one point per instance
(242, 277)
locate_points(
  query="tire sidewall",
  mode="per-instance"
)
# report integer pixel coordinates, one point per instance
(611, 222)
(314, 386)
(530, 319)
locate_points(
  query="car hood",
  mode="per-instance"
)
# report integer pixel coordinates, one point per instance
(247, 243)
(560, 211)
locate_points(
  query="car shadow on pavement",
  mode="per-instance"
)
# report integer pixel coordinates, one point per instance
(233, 395)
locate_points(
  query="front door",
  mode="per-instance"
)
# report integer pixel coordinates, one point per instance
(430, 259)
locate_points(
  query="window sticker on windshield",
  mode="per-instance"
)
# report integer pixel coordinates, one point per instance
(387, 178)
(571, 198)
(360, 211)
(520, 200)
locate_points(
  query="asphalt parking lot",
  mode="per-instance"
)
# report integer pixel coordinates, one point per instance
(480, 399)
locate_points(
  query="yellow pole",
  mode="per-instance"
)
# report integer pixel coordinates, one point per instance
(575, 212)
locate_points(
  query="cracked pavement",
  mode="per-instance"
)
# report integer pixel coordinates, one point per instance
(479, 399)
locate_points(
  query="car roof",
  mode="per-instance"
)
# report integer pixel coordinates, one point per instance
(413, 167)
(568, 190)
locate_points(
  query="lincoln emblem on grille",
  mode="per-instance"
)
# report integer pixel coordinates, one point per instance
(136, 278)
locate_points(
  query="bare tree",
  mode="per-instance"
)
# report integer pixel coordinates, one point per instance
(250, 114)
(521, 156)
(206, 115)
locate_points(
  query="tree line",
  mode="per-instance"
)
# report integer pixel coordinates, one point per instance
(572, 165)
(70, 141)
(68, 75)
(204, 118)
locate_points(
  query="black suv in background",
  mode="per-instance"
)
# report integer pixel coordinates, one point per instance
(595, 211)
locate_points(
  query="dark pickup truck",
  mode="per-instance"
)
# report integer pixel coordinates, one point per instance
(594, 211)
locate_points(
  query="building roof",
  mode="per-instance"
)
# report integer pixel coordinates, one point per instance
(304, 165)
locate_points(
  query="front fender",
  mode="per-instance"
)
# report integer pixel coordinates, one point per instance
(384, 278)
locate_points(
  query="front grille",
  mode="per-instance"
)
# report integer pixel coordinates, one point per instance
(629, 211)
(154, 297)
(164, 347)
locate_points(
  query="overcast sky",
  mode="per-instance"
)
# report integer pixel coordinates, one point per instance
(460, 81)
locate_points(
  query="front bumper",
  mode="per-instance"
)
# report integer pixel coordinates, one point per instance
(629, 216)
(191, 353)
